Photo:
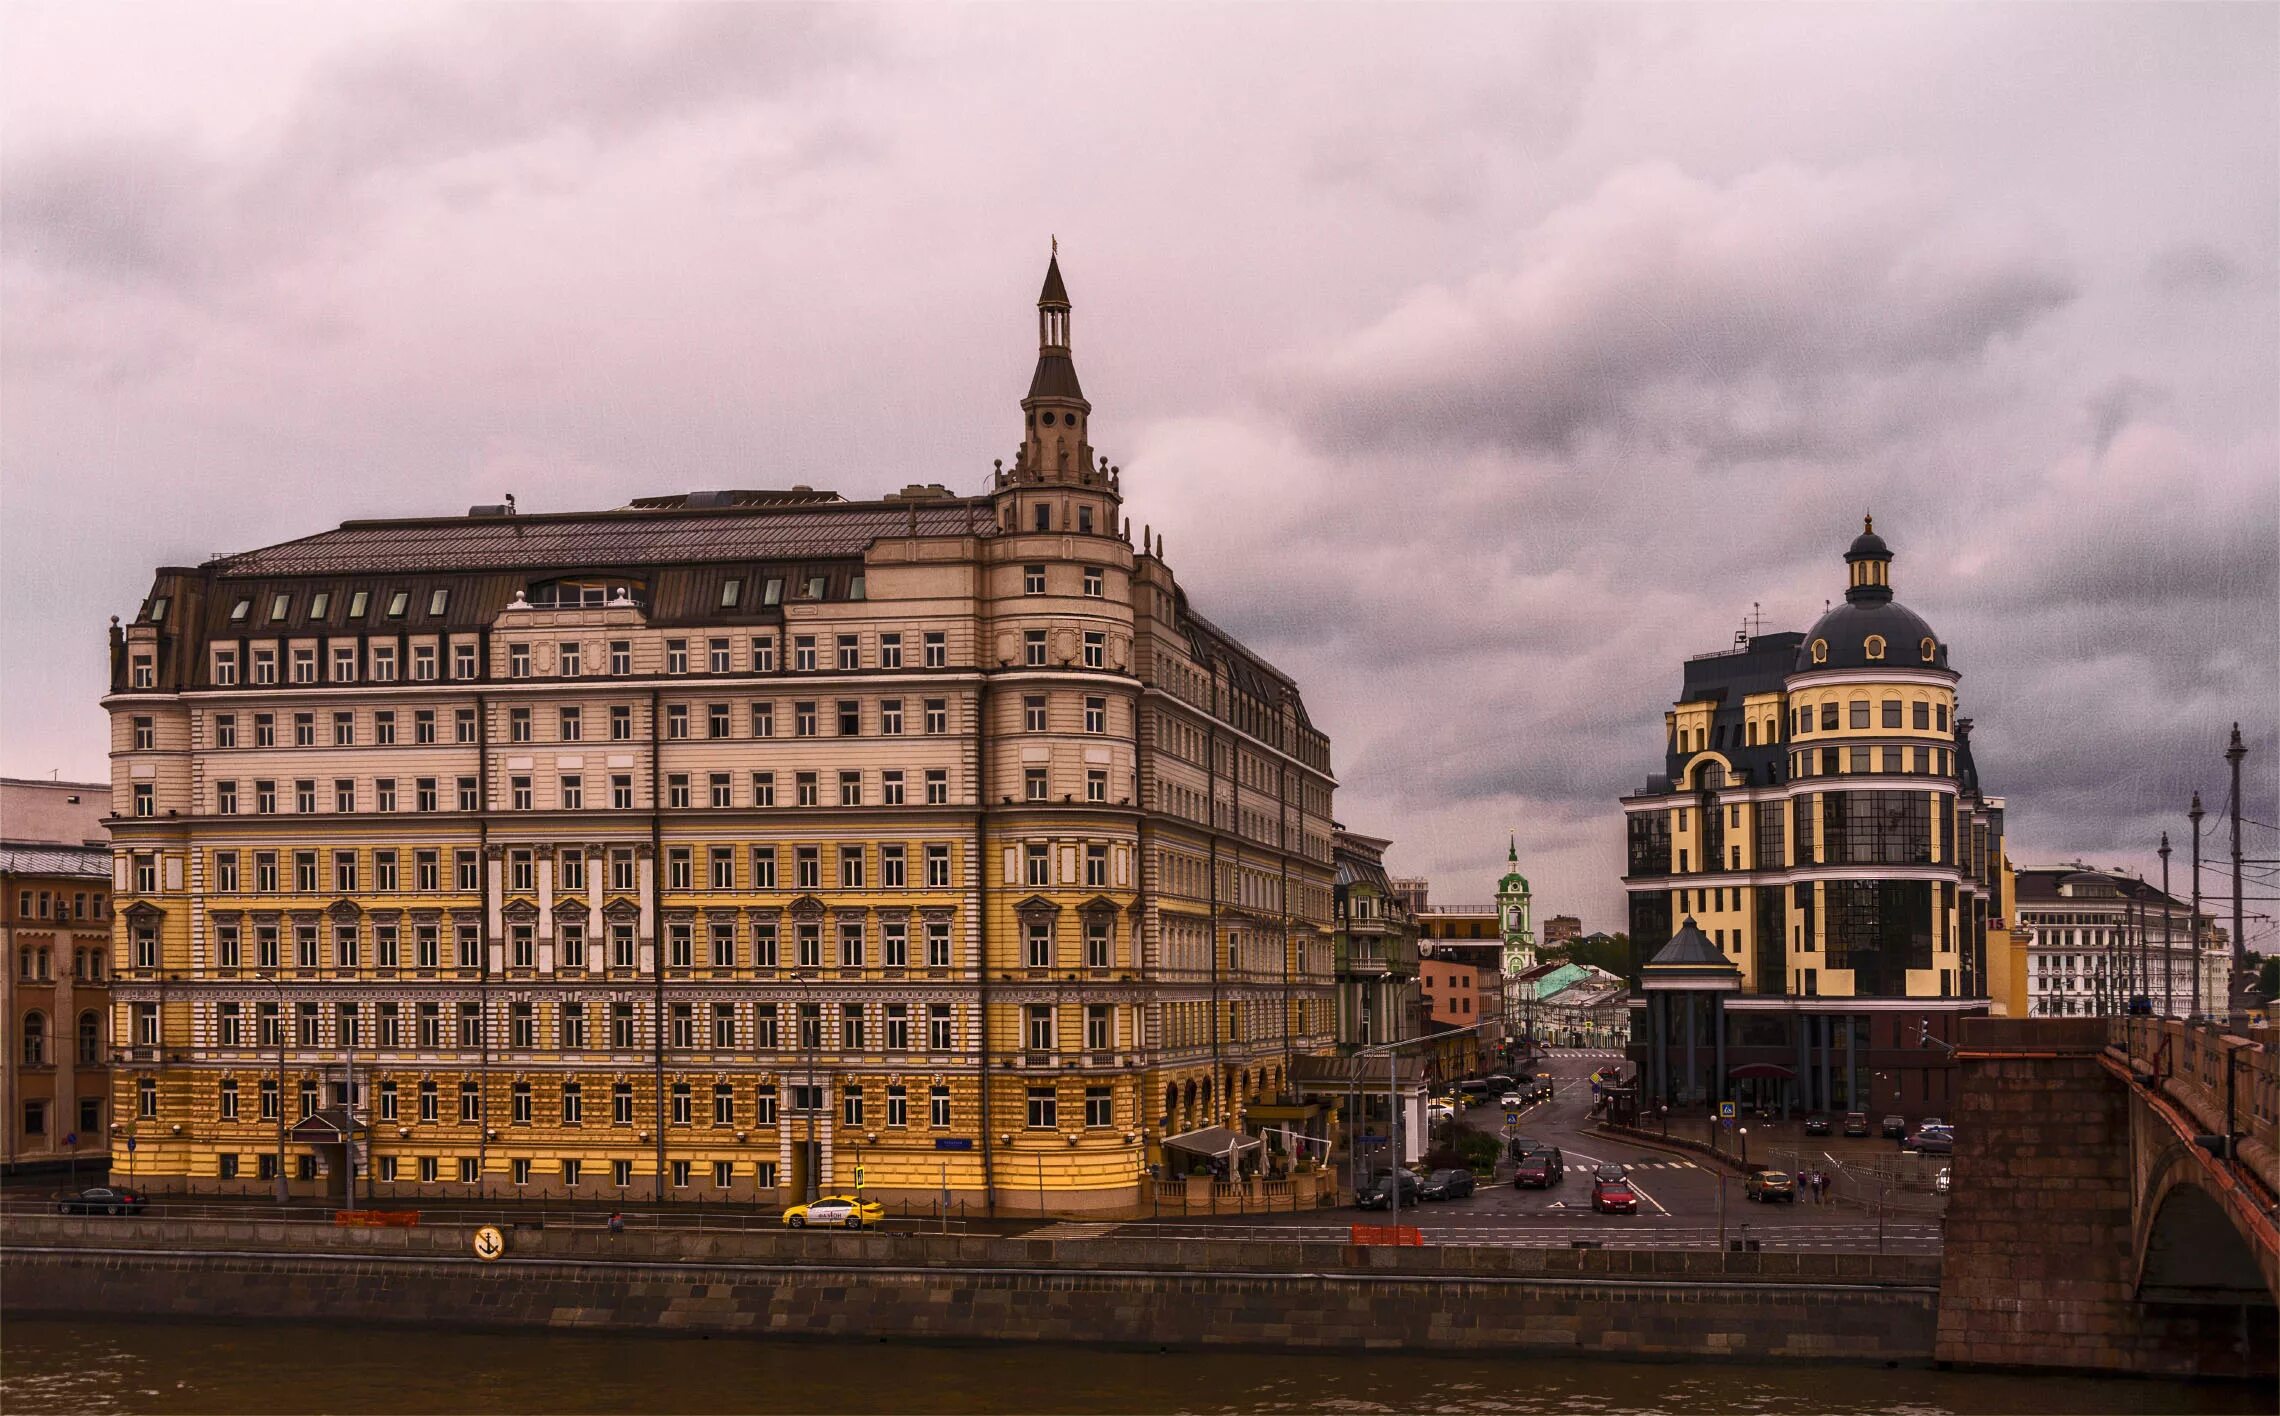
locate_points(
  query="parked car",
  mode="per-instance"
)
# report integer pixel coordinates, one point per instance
(1856, 1123)
(1614, 1197)
(1449, 1185)
(1609, 1170)
(1519, 1146)
(1440, 1113)
(835, 1212)
(1379, 1193)
(1816, 1125)
(1511, 1101)
(1930, 1140)
(1539, 1170)
(1765, 1186)
(102, 1199)
(1931, 1122)
(1894, 1127)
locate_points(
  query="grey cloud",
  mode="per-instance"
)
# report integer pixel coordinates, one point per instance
(438, 105)
(1662, 291)
(2192, 268)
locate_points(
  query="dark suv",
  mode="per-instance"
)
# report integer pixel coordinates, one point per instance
(1539, 1169)
(1448, 1185)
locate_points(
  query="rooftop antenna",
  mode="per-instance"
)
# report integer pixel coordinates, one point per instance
(510, 503)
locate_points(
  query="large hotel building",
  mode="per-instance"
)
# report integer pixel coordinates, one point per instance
(1818, 885)
(727, 845)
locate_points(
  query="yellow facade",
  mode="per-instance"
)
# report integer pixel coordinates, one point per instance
(734, 846)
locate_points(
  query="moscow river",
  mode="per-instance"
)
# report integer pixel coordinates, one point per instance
(57, 1366)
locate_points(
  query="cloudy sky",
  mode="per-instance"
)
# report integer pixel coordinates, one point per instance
(1478, 364)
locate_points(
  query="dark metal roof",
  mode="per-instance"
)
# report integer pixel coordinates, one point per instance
(1056, 377)
(1690, 948)
(87, 862)
(1846, 630)
(1054, 293)
(610, 538)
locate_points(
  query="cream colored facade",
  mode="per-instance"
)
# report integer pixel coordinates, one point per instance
(725, 846)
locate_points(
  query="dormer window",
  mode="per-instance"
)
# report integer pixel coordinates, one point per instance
(158, 610)
(1875, 646)
(772, 593)
(438, 601)
(358, 602)
(731, 591)
(399, 604)
(1820, 651)
(1930, 649)
(320, 604)
(279, 607)
(241, 609)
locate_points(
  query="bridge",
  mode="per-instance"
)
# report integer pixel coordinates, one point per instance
(2113, 1203)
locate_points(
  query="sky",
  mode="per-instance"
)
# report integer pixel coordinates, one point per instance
(1477, 364)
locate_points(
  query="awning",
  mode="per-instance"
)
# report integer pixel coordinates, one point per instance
(1212, 1141)
(328, 1127)
(1761, 1071)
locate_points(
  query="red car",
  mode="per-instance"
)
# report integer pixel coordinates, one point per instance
(1614, 1197)
(1539, 1170)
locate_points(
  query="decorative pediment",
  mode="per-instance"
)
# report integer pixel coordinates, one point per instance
(569, 908)
(143, 912)
(385, 915)
(620, 910)
(936, 912)
(807, 907)
(1036, 906)
(520, 911)
(343, 910)
(764, 914)
(1097, 905)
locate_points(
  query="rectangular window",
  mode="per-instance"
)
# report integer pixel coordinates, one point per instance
(676, 720)
(1044, 1109)
(850, 789)
(803, 653)
(621, 722)
(1033, 784)
(1096, 785)
(1096, 715)
(849, 651)
(1096, 649)
(936, 648)
(1094, 582)
(1033, 648)
(937, 786)
(1100, 1110)
(621, 657)
(937, 866)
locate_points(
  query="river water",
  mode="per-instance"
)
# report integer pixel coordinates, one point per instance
(57, 1366)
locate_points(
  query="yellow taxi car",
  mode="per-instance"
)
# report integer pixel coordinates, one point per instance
(835, 1212)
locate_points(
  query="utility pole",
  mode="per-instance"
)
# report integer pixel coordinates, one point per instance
(2233, 756)
(2193, 925)
(2168, 976)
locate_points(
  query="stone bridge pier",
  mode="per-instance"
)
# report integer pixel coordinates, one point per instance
(2112, 1201)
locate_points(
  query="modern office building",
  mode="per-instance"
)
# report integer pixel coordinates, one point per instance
(727, 844)
(55, 955)
(1817, 879)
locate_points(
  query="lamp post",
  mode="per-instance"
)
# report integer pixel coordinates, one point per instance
(1744, 1133)
(2168, 975)
(2193, 925)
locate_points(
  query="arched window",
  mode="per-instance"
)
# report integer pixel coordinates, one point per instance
(90, 1036)
(1820, 651)
(1930, 648)
(1875, 646)
(35, 1039)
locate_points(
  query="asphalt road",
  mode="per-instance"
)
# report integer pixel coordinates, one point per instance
(1679, 1199)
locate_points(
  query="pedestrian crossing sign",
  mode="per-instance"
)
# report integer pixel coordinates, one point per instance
(1725, 1111)
(1511, 1118)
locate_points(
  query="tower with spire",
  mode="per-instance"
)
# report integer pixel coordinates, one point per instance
(1057, 483)
(1512, 910)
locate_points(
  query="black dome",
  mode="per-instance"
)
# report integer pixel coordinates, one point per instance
(1868, 546)
(1847, 629)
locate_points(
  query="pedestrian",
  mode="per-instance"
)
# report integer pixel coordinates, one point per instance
(1821, 1187)
(617, 1223)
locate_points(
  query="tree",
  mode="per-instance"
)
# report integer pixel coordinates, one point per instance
(1610, 952)
(2268, 978)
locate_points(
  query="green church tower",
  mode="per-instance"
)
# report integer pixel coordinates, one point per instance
(1512, 908)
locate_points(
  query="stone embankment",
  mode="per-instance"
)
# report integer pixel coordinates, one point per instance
(1138, 1291)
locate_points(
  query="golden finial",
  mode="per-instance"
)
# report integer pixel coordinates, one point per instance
(1867, 525)
(1056, 246)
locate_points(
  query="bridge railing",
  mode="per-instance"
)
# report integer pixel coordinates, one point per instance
(2228, 1084)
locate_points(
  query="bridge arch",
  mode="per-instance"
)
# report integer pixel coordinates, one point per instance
(2190, 1246)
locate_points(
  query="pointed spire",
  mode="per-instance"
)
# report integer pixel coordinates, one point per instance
(1512, 853)
(1054, 293)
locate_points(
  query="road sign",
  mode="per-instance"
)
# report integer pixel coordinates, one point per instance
(1725, 1111)
(489, 1244)
(130, 1145)
(71, 1139)
(1511, 1118)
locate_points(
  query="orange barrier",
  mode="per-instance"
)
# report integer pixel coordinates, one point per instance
(376, 1219)
(1388, 1234)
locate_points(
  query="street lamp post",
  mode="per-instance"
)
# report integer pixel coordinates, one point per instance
(2193, 925)
(2168, 974)
(1744, 1133)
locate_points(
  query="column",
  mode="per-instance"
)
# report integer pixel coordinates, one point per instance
(1718, 1043)
(1693, 1062)
(1825, 1043)
(1852, 1063)
(1804, 1084)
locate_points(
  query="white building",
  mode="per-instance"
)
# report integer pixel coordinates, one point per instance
(2097, 938)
